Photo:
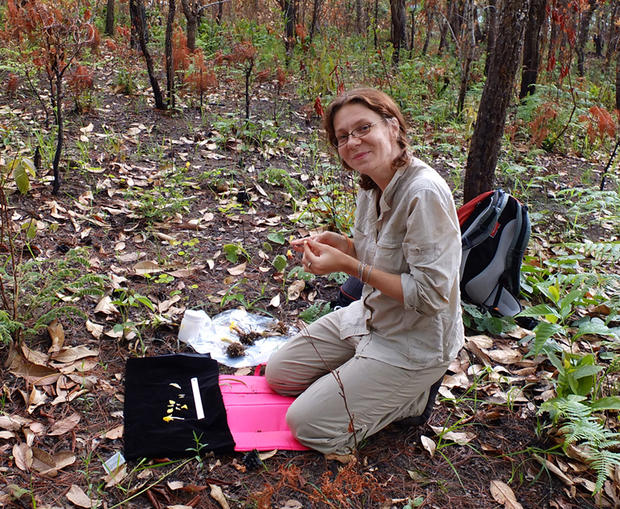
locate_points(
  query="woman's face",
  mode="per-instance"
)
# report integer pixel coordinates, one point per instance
(373, 153)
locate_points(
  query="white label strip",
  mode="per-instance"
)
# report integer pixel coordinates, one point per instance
(200, 413)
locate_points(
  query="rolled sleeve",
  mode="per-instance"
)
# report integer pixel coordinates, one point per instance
(432, 249)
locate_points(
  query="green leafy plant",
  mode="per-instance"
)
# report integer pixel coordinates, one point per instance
(580, 427)
(483, 321)
(315, 311)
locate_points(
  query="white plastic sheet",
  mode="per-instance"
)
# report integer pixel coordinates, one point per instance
(215, 338)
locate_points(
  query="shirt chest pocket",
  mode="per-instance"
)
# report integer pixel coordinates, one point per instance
(389, 255)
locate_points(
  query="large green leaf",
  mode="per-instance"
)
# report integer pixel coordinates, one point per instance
(23, 169)
(608, 403)
(539, 310)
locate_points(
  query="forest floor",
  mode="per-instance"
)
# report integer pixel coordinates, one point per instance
(155, 196)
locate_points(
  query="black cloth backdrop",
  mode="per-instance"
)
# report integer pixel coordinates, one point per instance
(160, 387)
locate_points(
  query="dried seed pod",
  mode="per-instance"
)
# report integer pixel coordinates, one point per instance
(235, 350)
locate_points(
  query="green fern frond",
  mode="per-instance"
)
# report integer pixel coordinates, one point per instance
(582, 428)
(602, 251)
(603, 463)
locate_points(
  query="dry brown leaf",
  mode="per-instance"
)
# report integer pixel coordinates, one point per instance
(428, 444)
(49, 464)
(34, 356)
(553, 468)
(460, 437)
(74, 353)
(267, 454)
(6, 435)
(13, 422)
(294, 290)
(147, 267)
(115, 433)
(167, 304)
(35, 399)
(94, 328)
(275, 301)
(105, 306)
(22, 453)
(503, 494)
(57, 334)
(186, 272)
(296, 504)
(237, 269)
(504, 355)
(65, 425)
(243, 371)
(217, 494)
(76, 496)
(481, 341)
(175, 485)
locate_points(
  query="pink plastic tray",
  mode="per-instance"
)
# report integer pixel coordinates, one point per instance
(256, 414)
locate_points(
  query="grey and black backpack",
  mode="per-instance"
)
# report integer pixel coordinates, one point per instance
(495, 230)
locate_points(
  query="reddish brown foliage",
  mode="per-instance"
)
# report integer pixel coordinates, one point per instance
(11, 84)
(202, 78)
(539, 127)
(180, 51)
(600, 123)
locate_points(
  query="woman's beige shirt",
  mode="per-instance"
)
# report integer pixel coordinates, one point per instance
(413, 232)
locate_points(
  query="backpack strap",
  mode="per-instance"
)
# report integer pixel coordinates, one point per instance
(484, 223)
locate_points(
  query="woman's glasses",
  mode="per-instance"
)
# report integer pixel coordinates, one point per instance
(358, 132)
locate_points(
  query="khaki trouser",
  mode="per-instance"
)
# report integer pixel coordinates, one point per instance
(376, 393)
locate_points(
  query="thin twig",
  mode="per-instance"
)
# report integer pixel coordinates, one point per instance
(336, 376)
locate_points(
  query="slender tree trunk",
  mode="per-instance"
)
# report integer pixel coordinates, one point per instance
(316, 7)
(289, 10)
(612, 34)
(375, 23)
(618, 80)
(429, 29)
(136, 8)
(191, 18)
(582, 39)
(412, 35)
(399, 28)
(60, 135)
(496, 94)
(531, 54)
(168, 50)
(467, 51)
(359, 22)
(109, 18)
(219, 13)
(491, 33)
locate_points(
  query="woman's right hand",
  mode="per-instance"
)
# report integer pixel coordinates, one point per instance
(336, 240)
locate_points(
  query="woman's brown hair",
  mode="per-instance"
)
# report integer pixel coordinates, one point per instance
(380, 103)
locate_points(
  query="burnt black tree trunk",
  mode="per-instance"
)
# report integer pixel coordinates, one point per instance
(137, 15)
(109, 18)
(498, 88)
(136, 8)
(612, 33)
(316, 8)
(466, 46)
(191, 10)
(582, 36)
(399, 28)
(168, 50)
(531, 46)
(491, 32)
(429, 28)
(289, 11)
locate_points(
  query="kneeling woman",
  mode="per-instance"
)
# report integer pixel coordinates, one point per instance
(360, 368)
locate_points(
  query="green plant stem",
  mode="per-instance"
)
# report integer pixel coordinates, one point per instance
(155, 483)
